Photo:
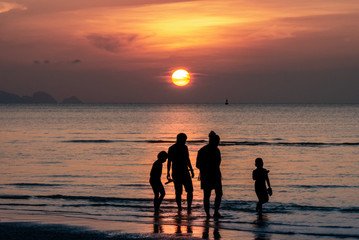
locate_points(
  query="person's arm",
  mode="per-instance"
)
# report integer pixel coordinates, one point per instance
(254, 175)
(269, 187)
(189, 164)
(219, 157)
(190, 168)
(151, 173)
(169, 166)
(267, 179)
(198, 161)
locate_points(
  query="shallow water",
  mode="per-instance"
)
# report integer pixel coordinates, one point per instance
(93, 161)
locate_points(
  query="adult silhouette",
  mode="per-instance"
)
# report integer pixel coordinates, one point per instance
(178, 157)
(208, 162)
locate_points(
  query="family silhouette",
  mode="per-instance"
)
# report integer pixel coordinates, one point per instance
(208, 162)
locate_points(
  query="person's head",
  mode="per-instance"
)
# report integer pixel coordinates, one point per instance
(213, 138)
(162, 156)
(181, 138)
(259, 162)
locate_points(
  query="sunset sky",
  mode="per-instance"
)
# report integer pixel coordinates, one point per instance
(274, 51)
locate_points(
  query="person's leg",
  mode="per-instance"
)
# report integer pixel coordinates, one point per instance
(155, 201)
(206, 197)
(265, 197)
(262, 198)
(218, 200)
(259, 204)
(189, 201)
(259, 207)
(189, 189)
(162, 195)
(156, 194)
(178, 190)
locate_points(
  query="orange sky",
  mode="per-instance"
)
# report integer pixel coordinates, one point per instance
(124, 51)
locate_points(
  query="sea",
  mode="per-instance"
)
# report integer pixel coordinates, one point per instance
(89, 164)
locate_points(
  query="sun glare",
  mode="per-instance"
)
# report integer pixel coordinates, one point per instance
(180, 77)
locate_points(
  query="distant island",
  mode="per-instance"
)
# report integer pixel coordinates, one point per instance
(71, 100)
(37, 98)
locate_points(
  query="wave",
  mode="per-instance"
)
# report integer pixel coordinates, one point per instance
(136, 210)
(223, 143)
(322, 186)
(90, 141)
(16, 230)
(94, 198)
(133, 185)
(229, 205)
(294, 144)
(277, 207)
(34, 184)
(39, 231)
(14, 197)
(24, 204)
(127, 141)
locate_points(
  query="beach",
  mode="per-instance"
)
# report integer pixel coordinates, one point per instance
(82, 171)
(56, 227)
(18, 231)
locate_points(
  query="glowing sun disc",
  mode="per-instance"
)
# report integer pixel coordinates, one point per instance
(180, 77)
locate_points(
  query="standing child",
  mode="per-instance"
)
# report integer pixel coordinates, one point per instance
(260, 175)
(155, 180)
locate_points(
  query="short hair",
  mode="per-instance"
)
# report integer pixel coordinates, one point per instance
(212, 134)
(213, 137)
(181, 136)
(259, 162)
(162, 154)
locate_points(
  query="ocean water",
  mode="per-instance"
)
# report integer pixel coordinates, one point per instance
(91, 163)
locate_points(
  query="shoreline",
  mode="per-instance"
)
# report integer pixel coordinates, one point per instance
(43, 227)
(41, 231)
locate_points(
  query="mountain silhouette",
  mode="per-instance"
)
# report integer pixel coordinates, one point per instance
(6, 97)
(71, 100)
(39, 97)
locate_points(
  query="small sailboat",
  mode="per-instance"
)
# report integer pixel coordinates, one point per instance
(226, 101)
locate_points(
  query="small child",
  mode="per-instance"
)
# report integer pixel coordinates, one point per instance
(155, 180)
(260, 175)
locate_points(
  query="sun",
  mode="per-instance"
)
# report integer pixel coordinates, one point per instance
(180, 77)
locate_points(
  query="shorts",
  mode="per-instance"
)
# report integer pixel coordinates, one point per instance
(157, 187)
(262, 195)
(210, 184)
(186, 181)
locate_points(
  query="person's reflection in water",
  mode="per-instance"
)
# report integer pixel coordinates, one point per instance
(206, 227)
(216, 229)
(205, 234)
(189, 225)
(178, 220)
(157, 224)
(261, 225)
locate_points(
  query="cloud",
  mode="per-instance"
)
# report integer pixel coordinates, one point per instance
(39, 62)
(111, 43)
(75, 61)
(6, 7)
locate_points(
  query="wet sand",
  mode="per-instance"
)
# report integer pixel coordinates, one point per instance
(44, 227)
(21, 231)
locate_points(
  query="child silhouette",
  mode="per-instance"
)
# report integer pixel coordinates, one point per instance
(155, 180)
(260, 175)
